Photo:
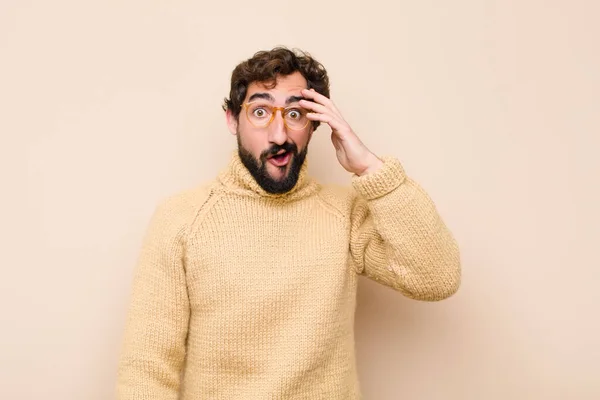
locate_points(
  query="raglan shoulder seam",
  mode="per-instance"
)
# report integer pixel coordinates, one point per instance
(335, 199)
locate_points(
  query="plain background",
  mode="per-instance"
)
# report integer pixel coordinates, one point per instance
(493, 106)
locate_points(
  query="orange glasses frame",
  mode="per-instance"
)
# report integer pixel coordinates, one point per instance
(273, 112)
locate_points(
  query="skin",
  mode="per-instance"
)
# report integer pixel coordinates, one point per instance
(258, 140)
(351, 153)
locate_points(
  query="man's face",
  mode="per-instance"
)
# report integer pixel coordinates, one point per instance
(273, 154)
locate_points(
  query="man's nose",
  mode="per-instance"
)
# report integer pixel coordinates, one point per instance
(277, 129)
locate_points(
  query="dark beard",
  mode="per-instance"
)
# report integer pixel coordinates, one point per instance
(258, 168)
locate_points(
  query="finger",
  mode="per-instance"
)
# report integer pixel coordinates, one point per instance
(319, 117)
(319, 98)
(316, 107)
(320, 108)
(334, 123)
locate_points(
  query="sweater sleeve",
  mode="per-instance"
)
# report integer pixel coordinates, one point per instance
(157, 322)
(398, 237)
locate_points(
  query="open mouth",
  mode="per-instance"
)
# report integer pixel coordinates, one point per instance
(280, 159)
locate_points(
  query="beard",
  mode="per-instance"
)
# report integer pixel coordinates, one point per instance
(258, 167)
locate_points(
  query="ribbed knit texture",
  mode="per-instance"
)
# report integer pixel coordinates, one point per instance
(241, 294)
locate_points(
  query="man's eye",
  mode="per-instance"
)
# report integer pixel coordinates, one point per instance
(260, 112)
(294, 114)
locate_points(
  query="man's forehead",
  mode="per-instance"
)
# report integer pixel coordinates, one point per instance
(276, 95)
(281, 86)
(284, 98)
(278, 89)
(275, 92)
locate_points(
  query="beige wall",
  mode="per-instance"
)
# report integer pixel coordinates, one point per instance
(493, 106)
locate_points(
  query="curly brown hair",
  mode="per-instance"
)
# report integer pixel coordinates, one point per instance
(265, 66)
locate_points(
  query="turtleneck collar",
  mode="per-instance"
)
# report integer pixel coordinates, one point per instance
(236, 178)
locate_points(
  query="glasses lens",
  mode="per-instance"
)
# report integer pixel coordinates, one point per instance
(296, 118)
(259, 114)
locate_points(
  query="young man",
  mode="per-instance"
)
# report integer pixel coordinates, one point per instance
(246, 285)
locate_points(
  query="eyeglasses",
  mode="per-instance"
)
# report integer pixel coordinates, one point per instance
(261, 115)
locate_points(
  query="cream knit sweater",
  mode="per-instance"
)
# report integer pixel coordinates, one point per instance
(240, 294)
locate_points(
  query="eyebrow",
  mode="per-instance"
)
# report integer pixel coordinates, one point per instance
(269, 97)
(293, 99)
(265, 96)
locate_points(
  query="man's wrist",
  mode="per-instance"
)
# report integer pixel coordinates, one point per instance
(381, 181)
(372, 165)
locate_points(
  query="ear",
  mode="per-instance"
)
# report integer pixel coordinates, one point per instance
(232, 122)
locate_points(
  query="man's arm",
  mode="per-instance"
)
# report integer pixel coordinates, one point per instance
(156, 329)
(399, 239)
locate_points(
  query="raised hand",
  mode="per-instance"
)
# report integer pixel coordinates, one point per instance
(352, 154)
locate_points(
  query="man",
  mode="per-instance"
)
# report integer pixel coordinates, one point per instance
(246, 285)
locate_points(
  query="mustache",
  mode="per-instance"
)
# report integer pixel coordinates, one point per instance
(287, 146)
